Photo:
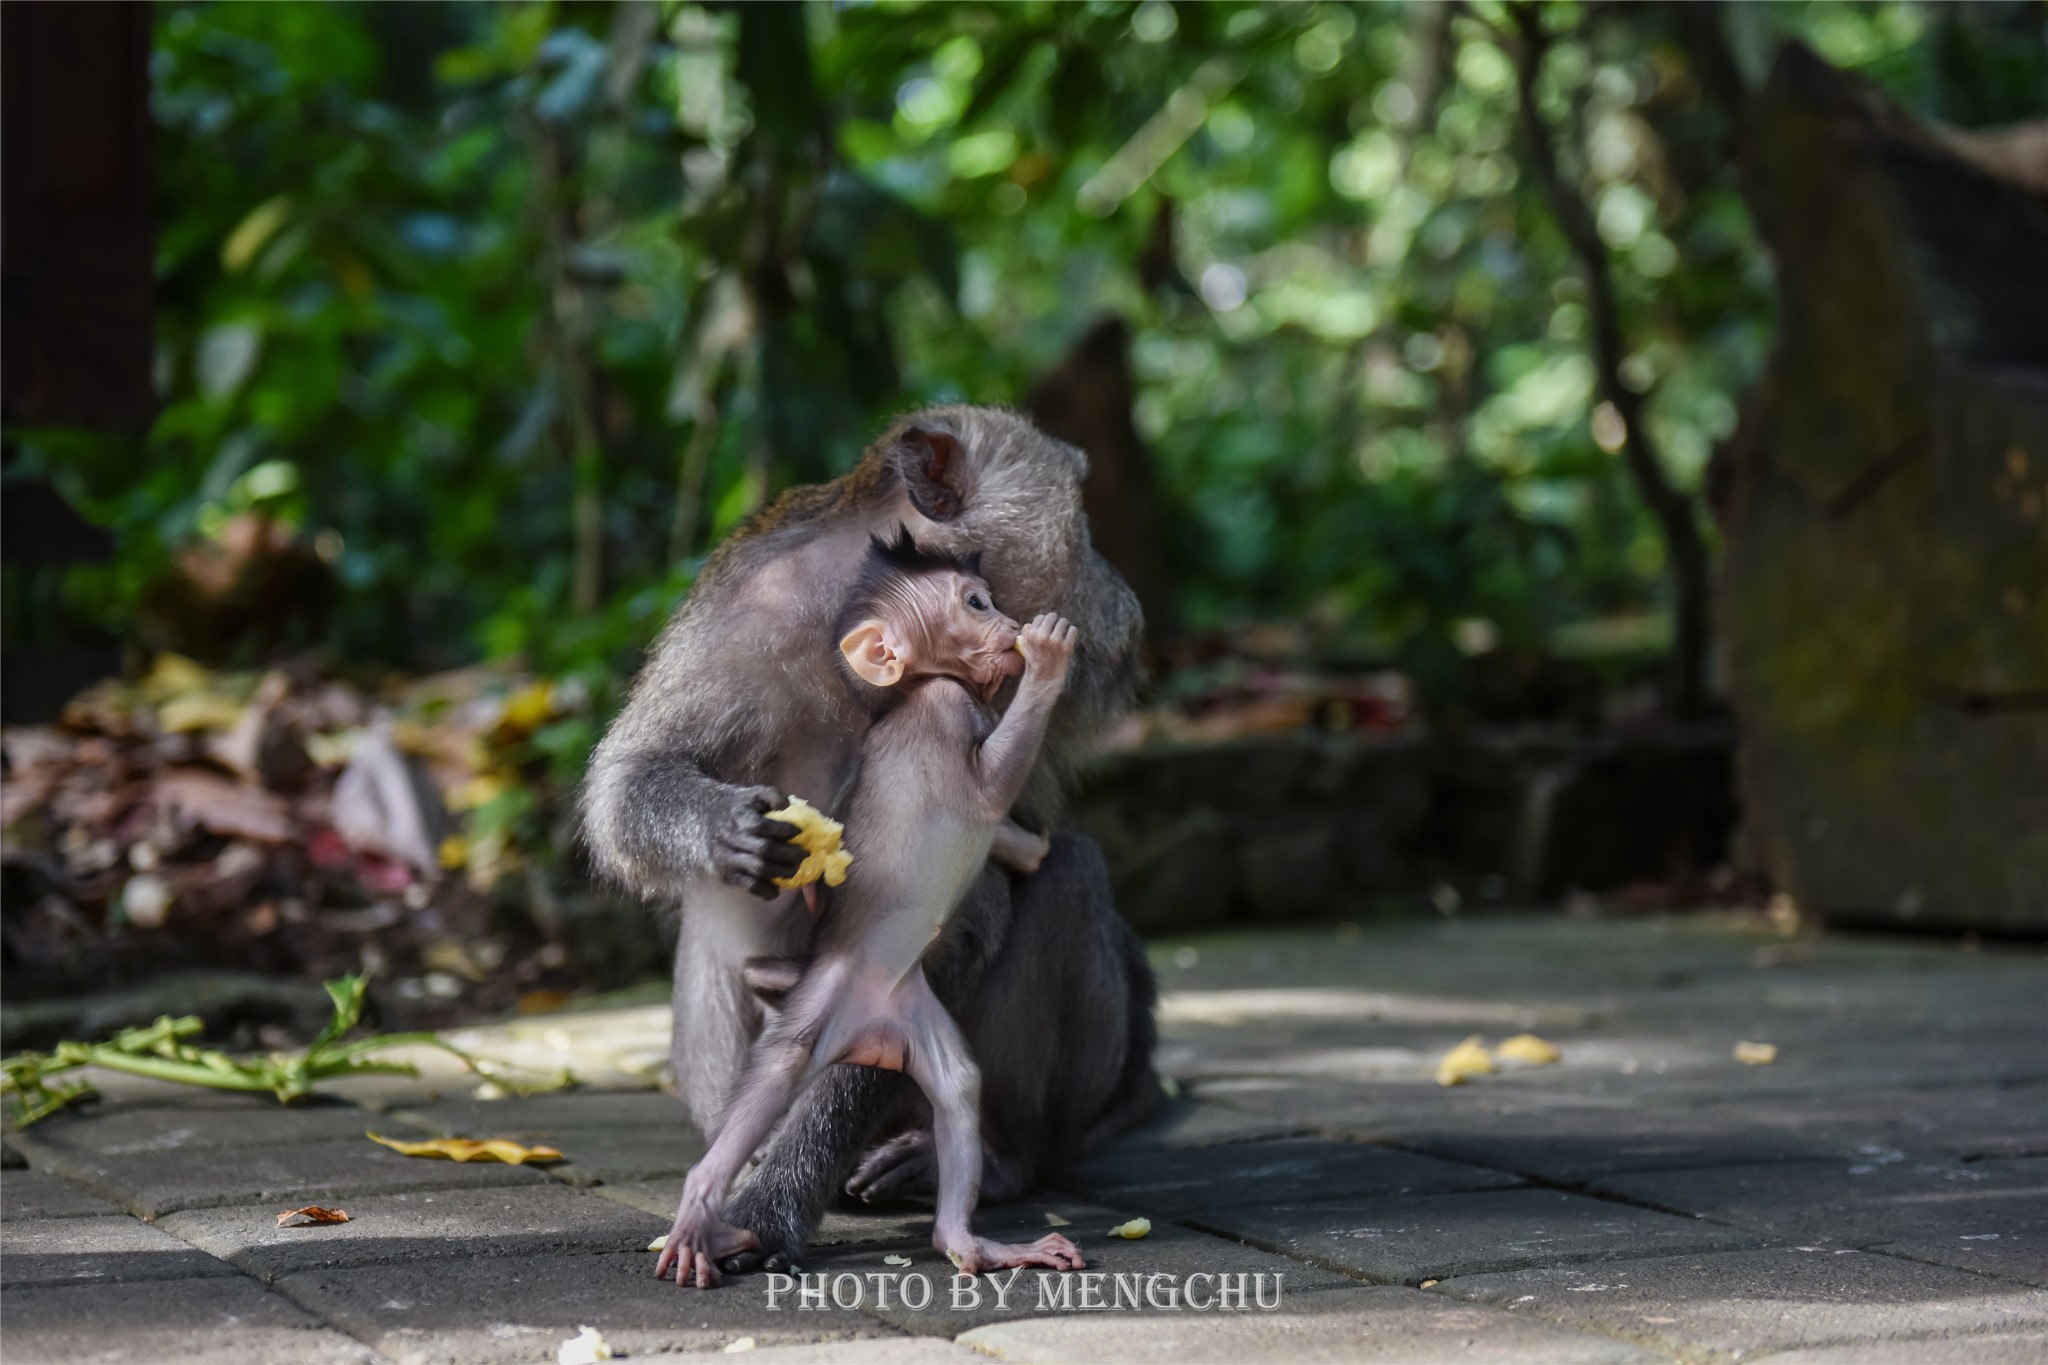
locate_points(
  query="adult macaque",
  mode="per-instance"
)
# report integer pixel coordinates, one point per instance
(741, 704)
(922, 637)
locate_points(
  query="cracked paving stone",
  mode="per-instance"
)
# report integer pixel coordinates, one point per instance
(118, 1130)
(1352, 1326)
(1289, 1170)
(233, 1321)
(1997, 1348)
(1880, 1195)
(1407, 1239)
(875, 1351)
(1115, 1267)
(1190, 1123)
(423, 1227)
(1748, 1302)
(2018, 1252)
(521, 1308)
(157, 1183)
(38, 1194)
(111, 1249)
(538, 1116)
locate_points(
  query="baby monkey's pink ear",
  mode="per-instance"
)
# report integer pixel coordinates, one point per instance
(871, 653)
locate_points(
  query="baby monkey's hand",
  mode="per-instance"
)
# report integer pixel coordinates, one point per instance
(1047, 645)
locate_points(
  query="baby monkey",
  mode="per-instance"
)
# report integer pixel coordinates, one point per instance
(926, 646)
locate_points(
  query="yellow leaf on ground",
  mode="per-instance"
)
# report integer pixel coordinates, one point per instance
(198, 711)
(470, 1149)
(895, 1260)
(817, 834)
(659, 1244)
(743, 1344)
(1468, 1059)
(310, 1216)
(1526, 1047)
(1756, 1054)
(1133, 1230)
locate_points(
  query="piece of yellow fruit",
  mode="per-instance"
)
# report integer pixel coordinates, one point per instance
(817, 834)
(470, 1149)
(1132, 1230)
(1468, 1059)
(1756, 1054)
(587, 1347)
(1526, 1047)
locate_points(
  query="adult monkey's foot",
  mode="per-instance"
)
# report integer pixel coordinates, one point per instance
(779, 1232)
(901, 1168)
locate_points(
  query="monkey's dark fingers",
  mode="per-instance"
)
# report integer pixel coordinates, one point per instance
(775, 831)
(756, 859)
(763, 799)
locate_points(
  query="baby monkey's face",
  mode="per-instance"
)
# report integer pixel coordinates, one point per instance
(939, 623)
(969, 638)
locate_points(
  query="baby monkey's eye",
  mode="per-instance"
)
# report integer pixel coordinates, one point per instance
(974, 600)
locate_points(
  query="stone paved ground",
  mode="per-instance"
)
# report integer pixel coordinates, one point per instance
(1878, 1194)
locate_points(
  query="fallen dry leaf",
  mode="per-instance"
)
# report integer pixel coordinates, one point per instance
(1468, 1059)
(311, 1216)
(817, 834)
(1053, 1220)
(1133, 1230)
(893, 1259)
(659, 1244)
(471, 1149)
(223, 807)
(1526, 1047)
(1756, 1054)
(587, 1347)
(739, 1345)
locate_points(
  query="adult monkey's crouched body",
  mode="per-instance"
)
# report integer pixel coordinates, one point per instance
(741, 705)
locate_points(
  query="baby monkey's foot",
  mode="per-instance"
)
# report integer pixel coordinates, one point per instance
(978, 1255)
(697, 1242)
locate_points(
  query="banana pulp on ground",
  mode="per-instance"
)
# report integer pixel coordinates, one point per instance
(817, 834)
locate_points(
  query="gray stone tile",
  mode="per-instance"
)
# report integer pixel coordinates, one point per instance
(1190, 1123)
(539, 1116)
(2017, 1252)
(1197, 1180)
(426, 1226)
(521, 1308)
(1880, 1196)
(157, 1183)
(172, 1322)
(844, 1224)
(604, 1156)
(1754, 1301)
(1996, 1348)
(113, 1249)
(875, 1351)
(1355, 1326)
(229, 1122)
(1408, 1239)
(1169, 1251)
(39, 1194)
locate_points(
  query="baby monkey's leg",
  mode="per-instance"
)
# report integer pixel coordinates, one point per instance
(944, 1069)
(1018, 849)
(782, 1063)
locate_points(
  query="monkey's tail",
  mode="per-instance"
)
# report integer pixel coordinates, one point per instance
(1138, 1092)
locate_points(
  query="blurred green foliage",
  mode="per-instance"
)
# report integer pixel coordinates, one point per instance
(510, 310)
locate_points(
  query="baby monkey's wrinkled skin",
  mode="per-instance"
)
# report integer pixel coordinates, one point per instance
(936, 785)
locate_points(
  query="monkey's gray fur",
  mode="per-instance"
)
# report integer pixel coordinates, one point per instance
(740, 706)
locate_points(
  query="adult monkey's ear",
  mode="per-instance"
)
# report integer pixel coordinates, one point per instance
(934, 472)
(872, 654)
